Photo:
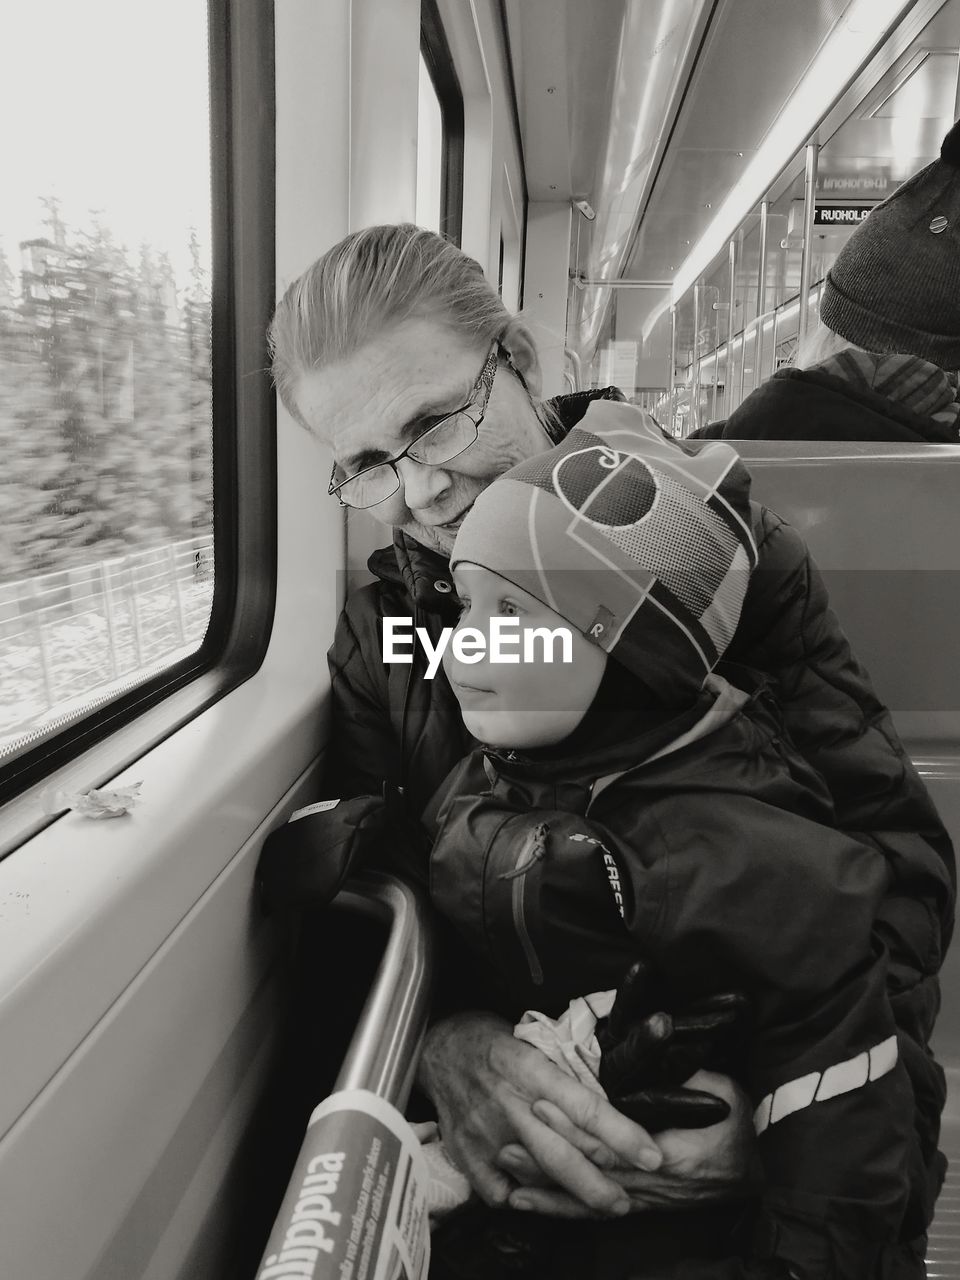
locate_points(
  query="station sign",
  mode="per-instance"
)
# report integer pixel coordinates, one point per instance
(840, 215)
(853, 186)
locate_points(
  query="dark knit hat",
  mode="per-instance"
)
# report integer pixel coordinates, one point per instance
(895, 286)
(643, 545)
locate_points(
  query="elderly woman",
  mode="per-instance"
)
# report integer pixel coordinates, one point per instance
(394, 351)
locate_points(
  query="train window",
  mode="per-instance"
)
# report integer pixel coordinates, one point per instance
(118, 357)
(440, 113)
(429, 153)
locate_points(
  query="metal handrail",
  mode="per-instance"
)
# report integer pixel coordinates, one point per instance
(574, 359)
(383, 1053)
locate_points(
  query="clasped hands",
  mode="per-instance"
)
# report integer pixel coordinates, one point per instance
(529, 1136)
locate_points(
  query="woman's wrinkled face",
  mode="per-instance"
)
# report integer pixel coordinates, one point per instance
(521, 704)
(373, 403)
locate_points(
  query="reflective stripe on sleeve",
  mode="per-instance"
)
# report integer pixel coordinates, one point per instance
(818, 1086)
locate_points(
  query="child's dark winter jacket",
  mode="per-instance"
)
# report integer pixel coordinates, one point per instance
(720, 862)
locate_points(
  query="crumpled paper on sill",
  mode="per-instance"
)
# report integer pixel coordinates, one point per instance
(97, 802)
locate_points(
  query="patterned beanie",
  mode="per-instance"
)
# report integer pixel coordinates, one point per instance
(895, 286)
(643, 546)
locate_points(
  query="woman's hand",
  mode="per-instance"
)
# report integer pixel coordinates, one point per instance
(699, 1165)
(493, 1092)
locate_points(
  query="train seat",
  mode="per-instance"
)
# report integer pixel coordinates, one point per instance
(883, 523)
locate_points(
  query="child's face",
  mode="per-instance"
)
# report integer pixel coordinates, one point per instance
(518, 704)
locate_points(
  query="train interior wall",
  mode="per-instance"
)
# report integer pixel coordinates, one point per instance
(150, 1015)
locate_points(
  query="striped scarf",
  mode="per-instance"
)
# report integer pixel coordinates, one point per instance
(918, 385)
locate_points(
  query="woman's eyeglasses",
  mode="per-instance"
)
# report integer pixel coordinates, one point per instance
(441, 442)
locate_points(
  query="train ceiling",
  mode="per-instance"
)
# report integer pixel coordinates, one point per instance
(653, 109)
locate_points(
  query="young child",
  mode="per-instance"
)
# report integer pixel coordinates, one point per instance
(635, 802)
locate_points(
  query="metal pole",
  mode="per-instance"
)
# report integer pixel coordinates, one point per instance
(773, 342)
(673, 365)
(956, 97)
(762, 276)
(806, 259)
(695, 370)
(743, 359)
(741, 261)
(731, 326)
(761, 290)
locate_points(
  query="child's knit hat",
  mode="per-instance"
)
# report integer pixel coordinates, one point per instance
(641, 544)
(895, 285)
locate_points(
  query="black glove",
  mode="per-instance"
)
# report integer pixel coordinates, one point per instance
(305, 862)
(647, 1052)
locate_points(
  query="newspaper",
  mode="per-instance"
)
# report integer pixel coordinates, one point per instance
(356, 1207)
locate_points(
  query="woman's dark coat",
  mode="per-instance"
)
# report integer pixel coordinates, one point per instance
(391, 724)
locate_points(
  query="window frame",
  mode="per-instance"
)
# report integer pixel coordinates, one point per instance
(244, 463)
(435, 50)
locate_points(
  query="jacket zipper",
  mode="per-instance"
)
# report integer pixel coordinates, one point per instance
(520, 923)
(532, 851)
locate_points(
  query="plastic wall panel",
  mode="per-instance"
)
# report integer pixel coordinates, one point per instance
(107, 1156)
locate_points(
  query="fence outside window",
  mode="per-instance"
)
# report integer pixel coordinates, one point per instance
(70, 636)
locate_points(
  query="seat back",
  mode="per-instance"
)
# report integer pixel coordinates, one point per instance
(883, 524)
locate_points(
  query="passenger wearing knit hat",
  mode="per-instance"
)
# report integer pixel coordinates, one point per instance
(641, 545)
(895, 285)
(881, 363)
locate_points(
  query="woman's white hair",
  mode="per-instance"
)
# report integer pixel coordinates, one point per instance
(371, 280)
